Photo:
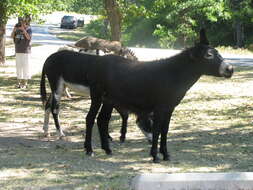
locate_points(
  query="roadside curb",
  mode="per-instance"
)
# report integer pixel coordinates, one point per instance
(193, 181)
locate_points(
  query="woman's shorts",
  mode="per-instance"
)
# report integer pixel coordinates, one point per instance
(22, 66)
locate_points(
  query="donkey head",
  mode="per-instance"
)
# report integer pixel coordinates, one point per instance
(128, 53)
(209, 60)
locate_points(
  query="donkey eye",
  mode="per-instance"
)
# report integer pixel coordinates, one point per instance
(209, 55)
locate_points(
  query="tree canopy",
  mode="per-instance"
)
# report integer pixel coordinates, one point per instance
(21, 8)
(158, 23)
(27, 7)
(175, 23)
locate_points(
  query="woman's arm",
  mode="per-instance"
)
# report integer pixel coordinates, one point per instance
(13, 32)
(26, 34)
(28, 37)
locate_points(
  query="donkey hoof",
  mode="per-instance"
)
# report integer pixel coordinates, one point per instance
(108, 152)
(46, 135)
(166, 157)
(110, 138)
(149, 137)
(122, 139)
(156, 160)
(61, 134)
(90, 153)
(62, 137)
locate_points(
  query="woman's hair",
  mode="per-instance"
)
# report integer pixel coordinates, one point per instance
(18, 25)
(20, 19)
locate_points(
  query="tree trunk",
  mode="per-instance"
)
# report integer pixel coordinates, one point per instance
(114, 17)
(2, 43)
(3, 21)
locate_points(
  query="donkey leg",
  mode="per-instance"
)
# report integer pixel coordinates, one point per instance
(46, 122)
(163, 142)
(103, 122)
(46, 116)
(66, 91)
(55, 109)
(90, 119)
(145, 123)
(160, 116)
(123, 130)
(153, 151)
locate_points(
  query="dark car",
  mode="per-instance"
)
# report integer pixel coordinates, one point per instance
(69, 22)
(80, 22)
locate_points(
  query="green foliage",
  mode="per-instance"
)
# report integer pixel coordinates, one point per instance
(135, 23)
(176, 23)
(179, 21)
(98, 28)
(28, 7)
(159, 23)
(88, 6)
(93, 7)
(3, 12)
(133, 37)
(220, 33)
(173, 23)
(166, 38)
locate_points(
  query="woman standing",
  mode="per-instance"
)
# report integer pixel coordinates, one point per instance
(22, 35)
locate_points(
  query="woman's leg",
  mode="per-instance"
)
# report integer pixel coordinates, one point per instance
(26, 69)
(19, 68)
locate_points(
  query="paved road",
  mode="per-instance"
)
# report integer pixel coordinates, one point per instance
(42, 36)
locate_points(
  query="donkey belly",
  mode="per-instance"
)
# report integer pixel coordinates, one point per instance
(78, 88)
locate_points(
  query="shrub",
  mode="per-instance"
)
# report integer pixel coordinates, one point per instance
(98, 28)
(140, 33)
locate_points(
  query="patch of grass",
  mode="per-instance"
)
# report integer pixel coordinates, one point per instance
(71, 36)
(68, 34)
(11, 57)
(210, 131)
(36, 45)
(9, 43)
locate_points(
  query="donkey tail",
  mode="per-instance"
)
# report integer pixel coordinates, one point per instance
(43, 92)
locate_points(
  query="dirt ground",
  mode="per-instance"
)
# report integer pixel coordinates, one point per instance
(211, 131)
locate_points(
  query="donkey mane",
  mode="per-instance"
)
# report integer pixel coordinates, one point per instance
(174, 58)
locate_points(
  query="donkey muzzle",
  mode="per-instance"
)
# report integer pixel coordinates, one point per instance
(226, 70)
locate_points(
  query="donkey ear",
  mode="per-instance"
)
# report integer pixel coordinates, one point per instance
(202, 36)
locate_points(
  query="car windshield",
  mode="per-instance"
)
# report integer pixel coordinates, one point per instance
(68, 18)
